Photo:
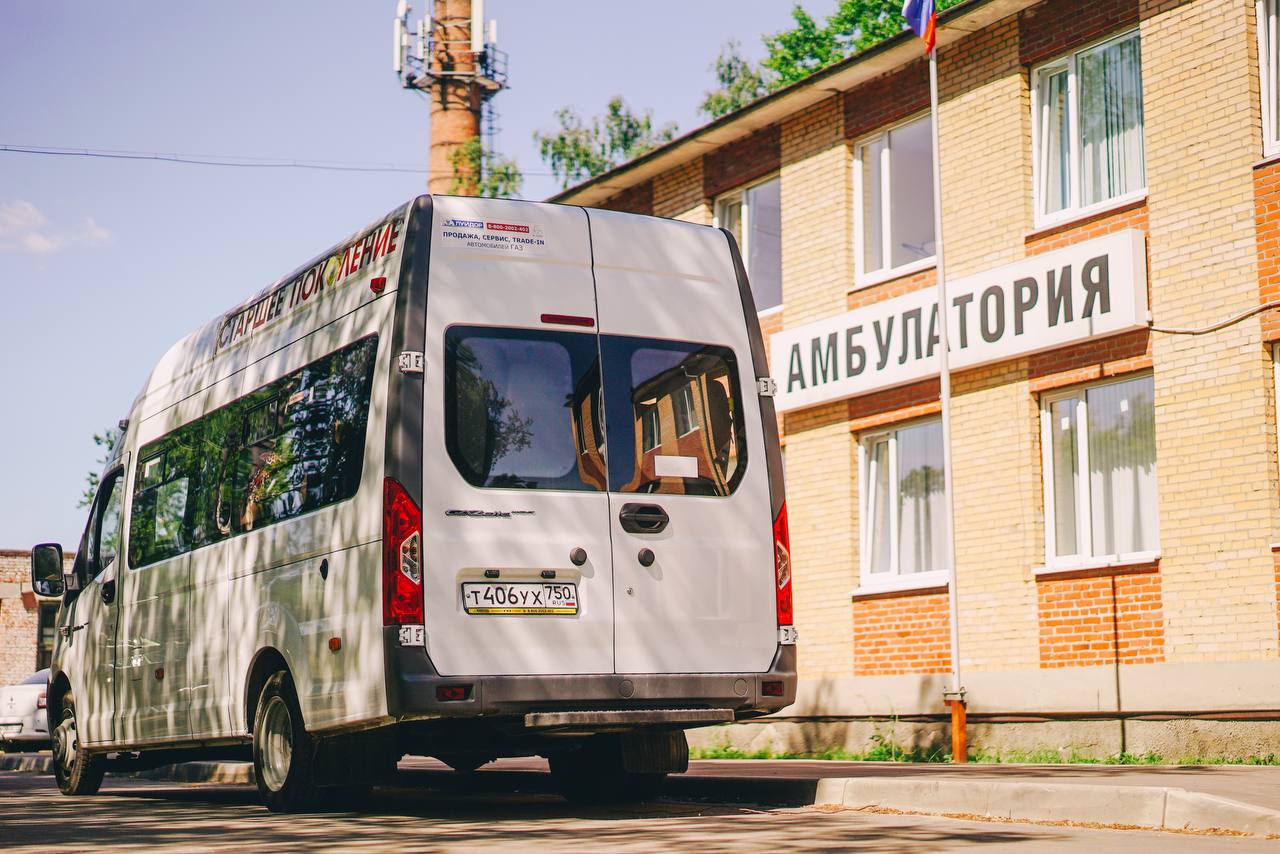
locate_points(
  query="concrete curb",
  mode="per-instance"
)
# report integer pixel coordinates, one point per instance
(1154, 807)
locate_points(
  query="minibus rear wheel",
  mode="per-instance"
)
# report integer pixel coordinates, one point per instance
(77, 771)
(283, 752)
(593, 774)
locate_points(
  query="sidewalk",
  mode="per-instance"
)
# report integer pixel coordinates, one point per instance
(1242, 799)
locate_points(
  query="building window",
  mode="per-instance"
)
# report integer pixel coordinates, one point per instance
(754, 216)
(685, 413)
(1088, 124)
(650, 429)
(1100, 473)
(893, 185)
(1268, 62)
(904, 522)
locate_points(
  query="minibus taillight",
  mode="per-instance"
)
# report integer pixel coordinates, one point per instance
(782, 566)
(401, 557)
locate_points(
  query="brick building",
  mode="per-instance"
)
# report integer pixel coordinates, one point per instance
(26, 621)
(1111, 180)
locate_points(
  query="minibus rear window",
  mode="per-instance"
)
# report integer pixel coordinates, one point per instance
(673, 417)
(290, 447)
(522, 406)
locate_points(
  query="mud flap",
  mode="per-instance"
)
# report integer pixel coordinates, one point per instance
(366, 758)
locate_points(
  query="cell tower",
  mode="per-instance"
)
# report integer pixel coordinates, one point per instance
(452, 56)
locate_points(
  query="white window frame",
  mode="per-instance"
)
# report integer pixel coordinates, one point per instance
(1073, 210)
(894, 579)
(685, 402)
(1268, 66)
(1084, 509)
(862, 278)
(739, 194)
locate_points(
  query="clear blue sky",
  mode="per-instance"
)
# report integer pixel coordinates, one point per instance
(108, 262)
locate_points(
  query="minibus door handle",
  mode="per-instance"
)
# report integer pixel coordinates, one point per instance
(643, 518)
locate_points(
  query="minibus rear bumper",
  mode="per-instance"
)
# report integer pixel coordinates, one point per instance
(416, 692)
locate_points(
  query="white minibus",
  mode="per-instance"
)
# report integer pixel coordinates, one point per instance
(490, 478)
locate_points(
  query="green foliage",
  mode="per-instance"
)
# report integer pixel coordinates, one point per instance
(106, 439)
(480, 172)
(885, 750)
(808, 46)
(577, 150)
(740, 82)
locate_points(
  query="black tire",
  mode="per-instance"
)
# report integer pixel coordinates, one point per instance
(283, 752)
(593, 774)
(77, 771)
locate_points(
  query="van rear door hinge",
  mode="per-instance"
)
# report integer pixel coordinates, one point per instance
(766, 386)
(412, 362)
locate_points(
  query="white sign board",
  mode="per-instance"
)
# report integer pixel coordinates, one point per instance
(1088, 290)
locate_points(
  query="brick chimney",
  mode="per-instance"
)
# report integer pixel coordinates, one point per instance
(456, 97)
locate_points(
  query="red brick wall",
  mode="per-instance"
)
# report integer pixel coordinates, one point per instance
(637, 199)
(1130, 216)
(888, 98)
(902, 633)
(741, 161)
(1096, 620)
(19, 613)
(1266, 201)
(1055, 26)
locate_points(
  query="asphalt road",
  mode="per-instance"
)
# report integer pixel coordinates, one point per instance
(130, 814)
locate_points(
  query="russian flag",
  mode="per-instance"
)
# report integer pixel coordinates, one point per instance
(922, 15)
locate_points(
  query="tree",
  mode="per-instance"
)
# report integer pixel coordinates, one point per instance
(794, 54)
(578, 151)
(741, 82)
(106, 439)
(480, 172)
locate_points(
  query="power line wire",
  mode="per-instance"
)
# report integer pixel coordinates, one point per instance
(226, 160)
(212, 159)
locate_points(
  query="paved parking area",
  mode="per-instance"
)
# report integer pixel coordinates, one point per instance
(131, 814)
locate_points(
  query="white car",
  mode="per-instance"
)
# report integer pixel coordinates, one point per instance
(23, 717)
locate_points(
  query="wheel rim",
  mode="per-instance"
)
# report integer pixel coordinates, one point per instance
(277, 744)
(66, 744)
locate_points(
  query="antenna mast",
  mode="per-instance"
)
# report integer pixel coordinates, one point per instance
(451, 55)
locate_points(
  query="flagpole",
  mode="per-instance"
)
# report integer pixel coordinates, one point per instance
(955, 696)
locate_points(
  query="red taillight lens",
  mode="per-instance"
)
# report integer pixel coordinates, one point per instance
(782, 566)
(401, 557)
(43, 700)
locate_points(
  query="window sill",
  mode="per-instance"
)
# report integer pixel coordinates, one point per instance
(1077, 216)
(902, 585)
(1136, 562)
(866, 280)
(1270, 156)
(771, 310)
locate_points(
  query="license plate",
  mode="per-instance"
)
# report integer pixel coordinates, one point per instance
(8, 729)
(522, 598)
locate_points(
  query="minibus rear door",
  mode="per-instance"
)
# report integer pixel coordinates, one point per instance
(689, 490)
(517, 565)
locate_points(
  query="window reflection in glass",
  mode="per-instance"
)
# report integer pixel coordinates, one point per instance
(673, 418)
(290, 447)
(521, 408)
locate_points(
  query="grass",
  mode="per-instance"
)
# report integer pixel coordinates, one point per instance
(885, 751)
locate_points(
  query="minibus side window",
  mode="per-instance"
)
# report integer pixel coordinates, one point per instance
(522, 408)
(290, 447)
(673, 417)
(302, 438)
(104, 527)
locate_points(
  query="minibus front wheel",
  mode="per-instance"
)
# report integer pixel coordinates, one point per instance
(77, 771)
(283, 752)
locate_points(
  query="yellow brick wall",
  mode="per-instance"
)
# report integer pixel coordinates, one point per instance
(984, 133)
(817, 267)
(678, 194)
(985, 141)
(1214, 437)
